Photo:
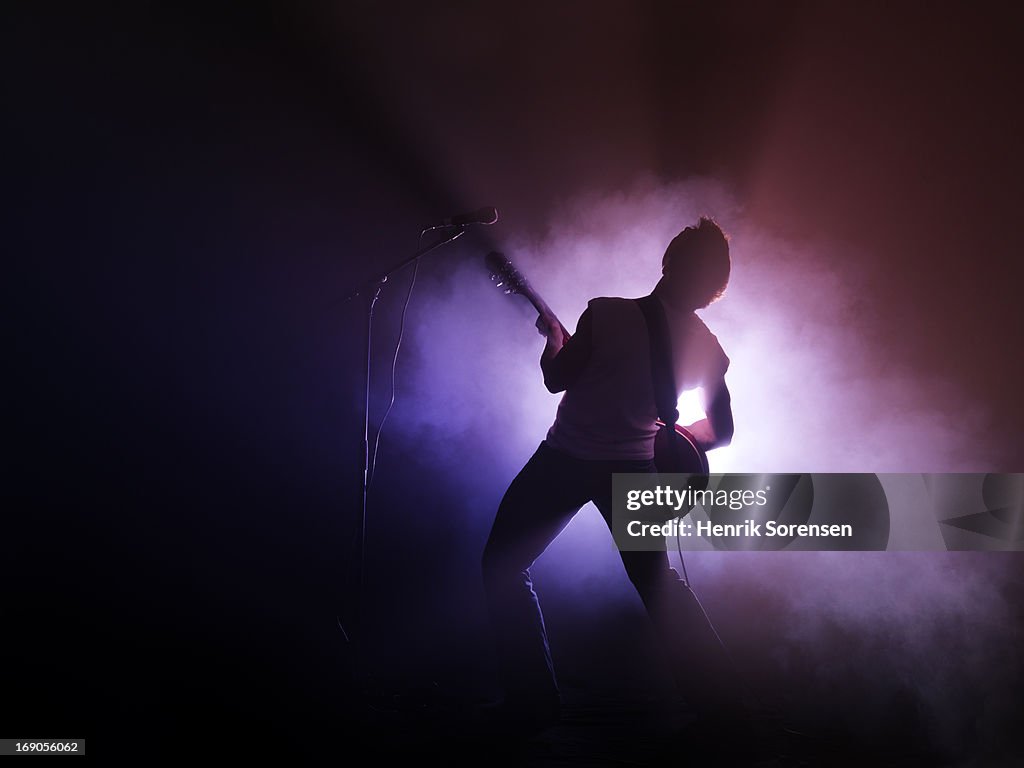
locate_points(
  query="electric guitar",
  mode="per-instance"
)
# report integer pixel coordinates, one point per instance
(672, 453)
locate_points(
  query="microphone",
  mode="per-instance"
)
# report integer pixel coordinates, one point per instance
(480, 216)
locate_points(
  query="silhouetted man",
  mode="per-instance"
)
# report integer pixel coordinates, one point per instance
(606, 424)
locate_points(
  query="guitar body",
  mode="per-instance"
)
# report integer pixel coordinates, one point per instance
(673, 452)
(679, 453)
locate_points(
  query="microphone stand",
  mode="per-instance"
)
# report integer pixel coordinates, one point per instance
(370, 291)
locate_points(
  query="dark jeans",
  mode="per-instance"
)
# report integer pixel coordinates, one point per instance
(538, 504)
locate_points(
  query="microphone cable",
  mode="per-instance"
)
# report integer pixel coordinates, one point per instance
(756, 699)
(394, 363)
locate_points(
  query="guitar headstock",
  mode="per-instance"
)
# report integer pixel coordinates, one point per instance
(505, 275)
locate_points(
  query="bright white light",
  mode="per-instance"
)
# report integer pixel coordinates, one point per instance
(689, 407)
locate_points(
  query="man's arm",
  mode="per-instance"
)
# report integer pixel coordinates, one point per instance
(716, 430)
(563, 360)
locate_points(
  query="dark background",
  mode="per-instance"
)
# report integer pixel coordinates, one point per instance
(192, 192)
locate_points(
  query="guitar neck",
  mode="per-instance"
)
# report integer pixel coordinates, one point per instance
(512, 281)
(538, 303)
(542, 307)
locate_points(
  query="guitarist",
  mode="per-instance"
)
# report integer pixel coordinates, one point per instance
(606, 424)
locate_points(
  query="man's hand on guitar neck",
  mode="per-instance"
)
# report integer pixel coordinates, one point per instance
(550, 327)
(565, 356)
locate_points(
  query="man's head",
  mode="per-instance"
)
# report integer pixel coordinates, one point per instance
(696, 265)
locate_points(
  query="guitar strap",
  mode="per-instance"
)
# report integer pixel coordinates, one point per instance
(666, 396)
(662, 371)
